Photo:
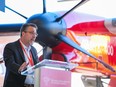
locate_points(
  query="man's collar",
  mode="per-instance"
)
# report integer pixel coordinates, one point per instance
(25, 47)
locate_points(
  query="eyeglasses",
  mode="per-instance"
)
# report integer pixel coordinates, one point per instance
(32, 33)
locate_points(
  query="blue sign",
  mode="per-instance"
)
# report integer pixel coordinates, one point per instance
(2, 5)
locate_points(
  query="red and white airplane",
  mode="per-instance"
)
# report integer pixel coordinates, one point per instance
(84, 39)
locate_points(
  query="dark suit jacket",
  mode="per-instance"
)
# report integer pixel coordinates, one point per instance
(14, 57)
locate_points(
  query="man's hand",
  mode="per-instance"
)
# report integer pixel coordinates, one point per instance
(23, 67)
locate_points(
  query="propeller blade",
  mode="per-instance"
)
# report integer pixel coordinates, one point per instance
(16, 12)
(80, 3)
(76, 46)
(10, 27)
(44, 6)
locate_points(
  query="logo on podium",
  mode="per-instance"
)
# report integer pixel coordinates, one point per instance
(55, 78)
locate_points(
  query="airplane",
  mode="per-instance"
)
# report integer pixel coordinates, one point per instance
(59, 34)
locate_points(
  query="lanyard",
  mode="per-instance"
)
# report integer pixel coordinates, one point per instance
(29, 57)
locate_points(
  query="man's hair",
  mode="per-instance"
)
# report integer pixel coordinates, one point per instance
(24, 27)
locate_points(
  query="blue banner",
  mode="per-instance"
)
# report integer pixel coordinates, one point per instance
(2, 5)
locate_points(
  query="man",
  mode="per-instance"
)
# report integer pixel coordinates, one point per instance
(20, 55)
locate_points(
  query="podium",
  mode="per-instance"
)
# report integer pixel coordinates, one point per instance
(51, 73)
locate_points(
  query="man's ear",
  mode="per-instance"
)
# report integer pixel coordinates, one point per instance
(23, 33)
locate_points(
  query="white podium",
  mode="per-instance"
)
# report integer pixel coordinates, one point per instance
(51, 73)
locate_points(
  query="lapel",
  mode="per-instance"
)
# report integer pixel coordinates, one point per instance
(33, 55)
(20, 50)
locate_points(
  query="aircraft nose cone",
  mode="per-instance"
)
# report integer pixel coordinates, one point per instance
(48, 28)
